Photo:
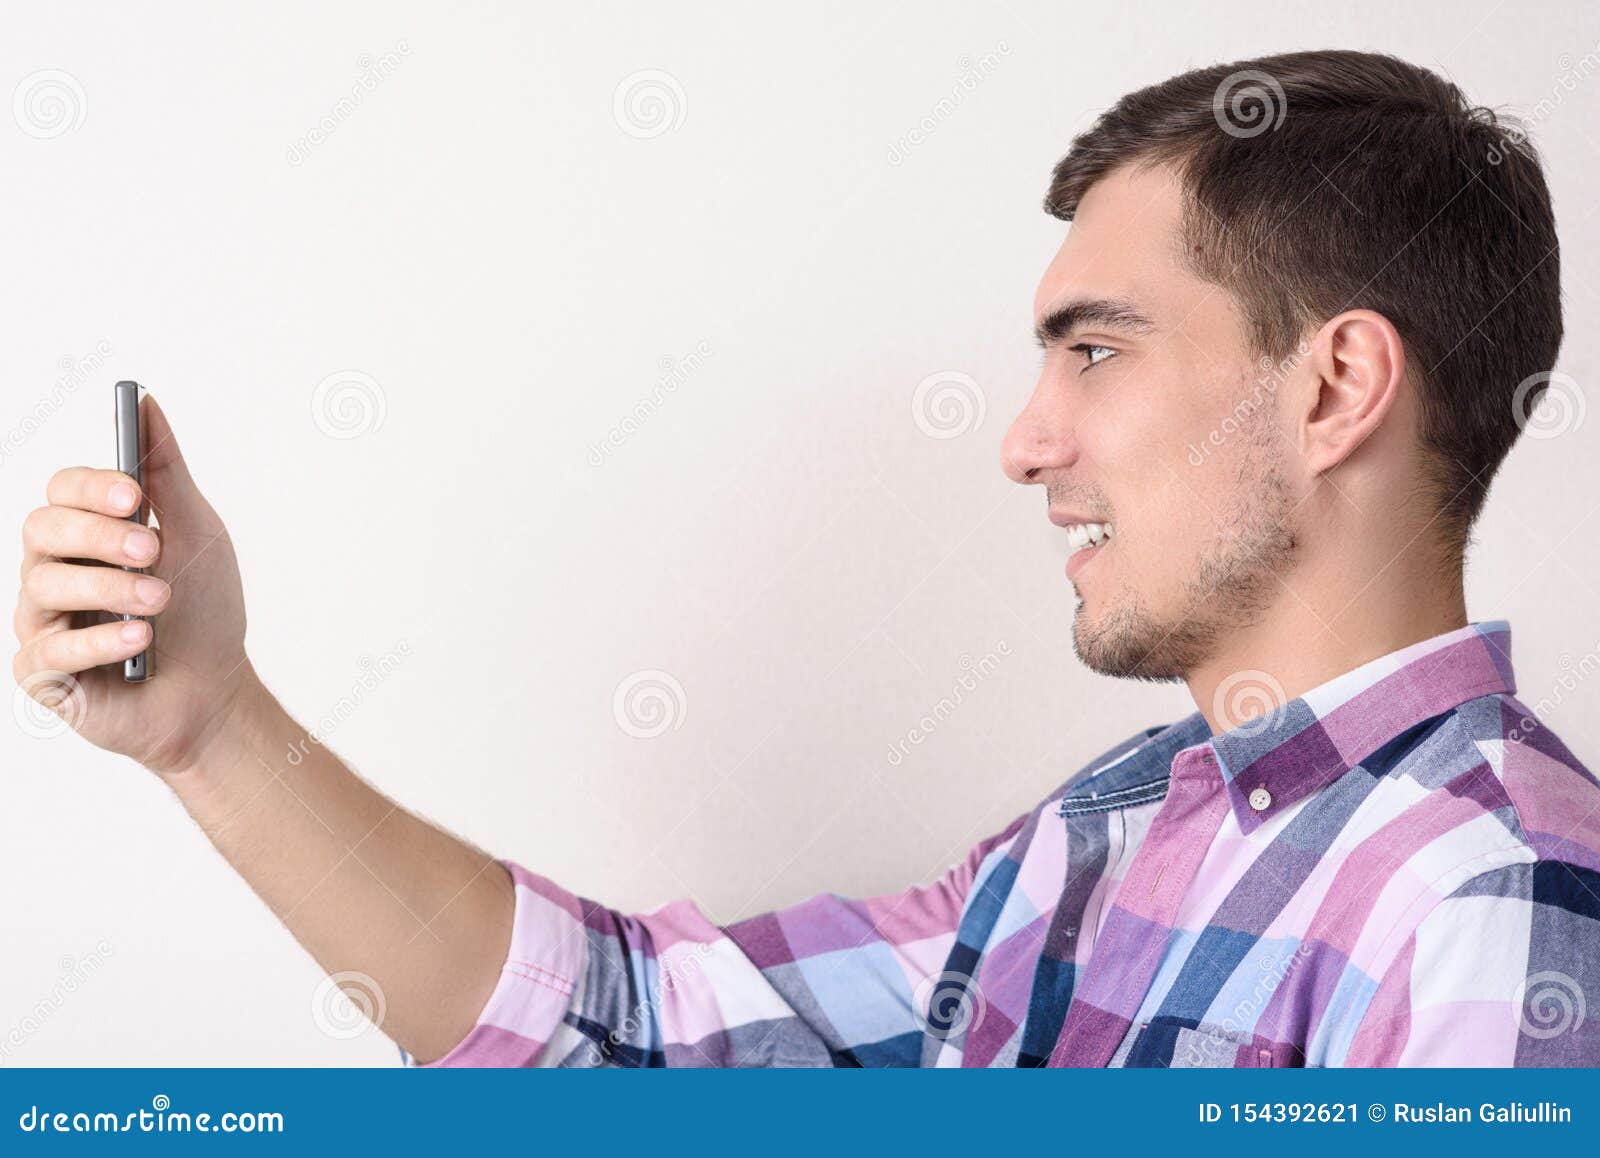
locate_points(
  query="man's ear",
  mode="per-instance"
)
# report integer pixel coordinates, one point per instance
(1358, 363)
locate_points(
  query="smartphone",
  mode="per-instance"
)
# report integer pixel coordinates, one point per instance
(130, 461)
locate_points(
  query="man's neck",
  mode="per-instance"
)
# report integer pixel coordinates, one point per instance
(1320, 629)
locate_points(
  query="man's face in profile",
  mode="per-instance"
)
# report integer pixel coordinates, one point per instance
(1145, 377)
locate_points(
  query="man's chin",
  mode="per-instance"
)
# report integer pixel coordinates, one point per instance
(1126, 645)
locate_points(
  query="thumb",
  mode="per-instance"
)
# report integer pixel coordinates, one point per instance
(173, 495)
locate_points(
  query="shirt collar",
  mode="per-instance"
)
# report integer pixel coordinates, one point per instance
(1288, 754)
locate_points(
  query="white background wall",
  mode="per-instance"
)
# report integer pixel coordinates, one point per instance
(484, 238)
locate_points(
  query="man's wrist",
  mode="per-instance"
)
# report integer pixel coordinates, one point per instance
(240, 731)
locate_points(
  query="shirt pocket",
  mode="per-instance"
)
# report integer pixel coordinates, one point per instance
(1213, 1046)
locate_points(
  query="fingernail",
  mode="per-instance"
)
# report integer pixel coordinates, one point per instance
(140, 544)
(133, 631)
(149, 590)
(123, 497)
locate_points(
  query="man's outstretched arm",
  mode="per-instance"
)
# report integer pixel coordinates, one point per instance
(367, 887)
(472, 969)
(364, 885)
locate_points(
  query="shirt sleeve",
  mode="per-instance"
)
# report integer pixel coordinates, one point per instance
(830, 981)
(1502, 972)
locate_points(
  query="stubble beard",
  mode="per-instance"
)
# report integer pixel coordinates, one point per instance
(1232, 585)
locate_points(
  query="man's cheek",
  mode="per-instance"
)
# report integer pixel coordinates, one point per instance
(1156, 499)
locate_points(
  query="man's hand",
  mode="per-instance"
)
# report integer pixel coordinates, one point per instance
(388, 902)
(67, 612)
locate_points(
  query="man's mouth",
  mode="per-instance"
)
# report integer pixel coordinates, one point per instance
(1085, 537)
(1082, 535)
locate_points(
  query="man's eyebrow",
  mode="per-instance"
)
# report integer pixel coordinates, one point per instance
(1112, 313)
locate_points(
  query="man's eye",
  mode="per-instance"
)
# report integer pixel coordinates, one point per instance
(1093, 354)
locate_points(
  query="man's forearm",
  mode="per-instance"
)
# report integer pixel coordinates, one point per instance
(363, 884)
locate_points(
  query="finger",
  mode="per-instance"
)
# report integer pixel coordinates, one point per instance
(173, 494)
(64, 532)
(106, 492)
(54, 586)
(75, 651)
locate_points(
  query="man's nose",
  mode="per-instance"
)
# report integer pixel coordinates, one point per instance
(1037, 442)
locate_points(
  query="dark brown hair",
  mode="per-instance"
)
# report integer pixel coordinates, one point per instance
(1317, 182)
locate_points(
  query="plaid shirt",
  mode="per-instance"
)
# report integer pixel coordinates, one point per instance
(1401, 867)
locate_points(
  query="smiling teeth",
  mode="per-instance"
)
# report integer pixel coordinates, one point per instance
(1081, 535)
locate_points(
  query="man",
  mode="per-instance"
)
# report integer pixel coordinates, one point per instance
(1288, 340)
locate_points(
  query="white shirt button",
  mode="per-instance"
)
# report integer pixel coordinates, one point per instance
(1261, 800)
